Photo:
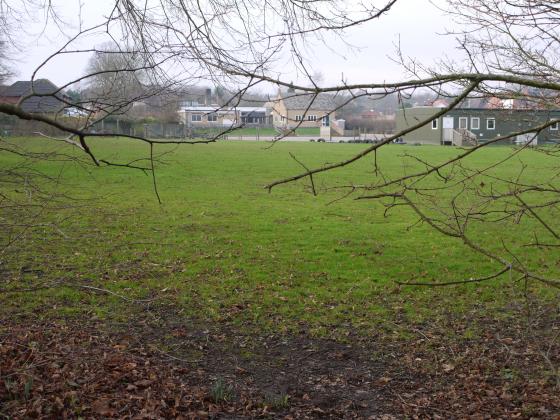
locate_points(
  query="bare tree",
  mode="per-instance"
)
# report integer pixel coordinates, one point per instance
(117, 78)
(5, 70)
(510, 50)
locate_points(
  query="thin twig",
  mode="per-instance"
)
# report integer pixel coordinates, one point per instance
(307, 169)
(449, 283)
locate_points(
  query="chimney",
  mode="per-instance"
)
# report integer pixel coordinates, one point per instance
(208, 97)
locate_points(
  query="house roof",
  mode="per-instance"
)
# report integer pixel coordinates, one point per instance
(321, 102)
(36, 104)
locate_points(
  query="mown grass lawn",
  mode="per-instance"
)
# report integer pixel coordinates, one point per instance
(221, 248)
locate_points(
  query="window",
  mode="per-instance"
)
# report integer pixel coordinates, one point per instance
(283, 118)
(434, 124)
(491, 124)
(212, 117)
(312, 118)
(196, 117)
(475, 123)
(325, 121)
(463, 123)
(554, 127)
(299, 117)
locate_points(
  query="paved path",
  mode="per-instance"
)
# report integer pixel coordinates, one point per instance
(304, 138)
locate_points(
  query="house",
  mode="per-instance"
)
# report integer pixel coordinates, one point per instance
(208, 116)
(293, 109)
(215, 116)
(52, 103)
(468, 126)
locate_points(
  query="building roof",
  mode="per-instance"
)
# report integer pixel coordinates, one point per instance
(36, 104)
(222, 109)
(507, 111)
(321, 102)
(440, 103)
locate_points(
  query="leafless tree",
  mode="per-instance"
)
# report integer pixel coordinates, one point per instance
(510, 50)
(5, 70)
(117, 78)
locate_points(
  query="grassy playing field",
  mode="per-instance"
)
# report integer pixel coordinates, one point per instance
(222, 248)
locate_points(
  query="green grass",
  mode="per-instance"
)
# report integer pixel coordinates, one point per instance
(221, 248)
(308, 131)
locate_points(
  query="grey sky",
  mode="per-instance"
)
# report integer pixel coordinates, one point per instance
(416, 24)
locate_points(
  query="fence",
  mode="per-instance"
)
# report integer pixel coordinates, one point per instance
(12, 126)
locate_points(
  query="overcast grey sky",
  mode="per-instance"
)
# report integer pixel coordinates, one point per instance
(416, 24)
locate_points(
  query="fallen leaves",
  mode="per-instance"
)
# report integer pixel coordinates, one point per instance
(102, 407)
(64, 370)
(448, 367)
